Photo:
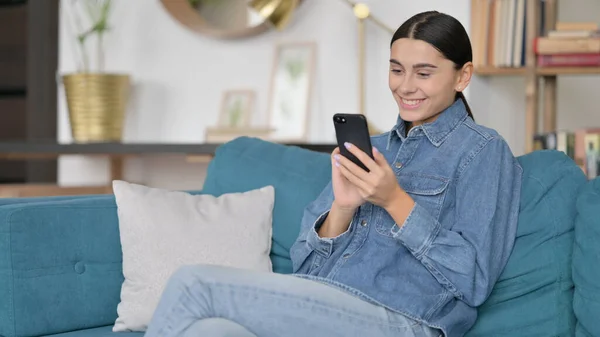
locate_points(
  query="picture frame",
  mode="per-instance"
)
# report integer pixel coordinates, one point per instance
(291, 90)
(237, 108)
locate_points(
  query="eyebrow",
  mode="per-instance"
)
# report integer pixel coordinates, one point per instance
(416, 66)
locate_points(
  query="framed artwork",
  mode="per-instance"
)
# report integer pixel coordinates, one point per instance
(236, 109)
(291, 86)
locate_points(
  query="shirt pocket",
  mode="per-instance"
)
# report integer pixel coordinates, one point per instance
(429, 191)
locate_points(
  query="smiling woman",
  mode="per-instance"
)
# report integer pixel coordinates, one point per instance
(409, 247)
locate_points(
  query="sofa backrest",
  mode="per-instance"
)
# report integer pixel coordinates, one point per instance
(298, 176)
(586, 261)
(534, 294)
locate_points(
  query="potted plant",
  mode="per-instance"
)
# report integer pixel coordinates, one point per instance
(96, 99)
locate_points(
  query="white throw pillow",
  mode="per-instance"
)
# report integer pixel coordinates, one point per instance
(162, 230)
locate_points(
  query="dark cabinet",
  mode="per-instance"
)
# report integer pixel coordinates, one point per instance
(28, 64)
(13, 46)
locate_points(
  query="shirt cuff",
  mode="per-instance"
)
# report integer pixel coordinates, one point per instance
(324, 246)
(418, 232)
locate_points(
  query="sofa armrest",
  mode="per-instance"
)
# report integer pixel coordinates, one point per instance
(60, 265)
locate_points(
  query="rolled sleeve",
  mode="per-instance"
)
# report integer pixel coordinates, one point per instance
(325, 246)
(308, 246)
(418, 231)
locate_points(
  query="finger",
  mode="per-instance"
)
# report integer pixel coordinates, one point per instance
(379, 158)
(362, 156)
(334, 154)
(353, 178)
(350, 166)
(382, 164)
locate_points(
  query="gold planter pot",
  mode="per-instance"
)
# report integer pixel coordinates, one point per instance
(97, 103)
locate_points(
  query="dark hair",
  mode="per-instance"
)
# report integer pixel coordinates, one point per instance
(444, 33)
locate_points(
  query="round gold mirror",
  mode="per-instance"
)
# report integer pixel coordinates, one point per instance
(232, 19)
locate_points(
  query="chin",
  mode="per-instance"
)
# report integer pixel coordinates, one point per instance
(411, 115)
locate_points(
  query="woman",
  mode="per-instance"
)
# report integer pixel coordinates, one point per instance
(409, 249)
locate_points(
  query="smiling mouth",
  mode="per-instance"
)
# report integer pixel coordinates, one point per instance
(411, 102)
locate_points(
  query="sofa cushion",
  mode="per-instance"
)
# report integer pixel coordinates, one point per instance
(162, 230)
(586, 255)
(298, 176)
(533, 296)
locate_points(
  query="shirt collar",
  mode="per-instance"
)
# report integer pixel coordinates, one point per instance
(438, 130)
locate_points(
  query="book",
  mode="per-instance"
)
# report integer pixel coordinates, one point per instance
(574, 26)
(592, 155)
(569, 60)
(570, 34)
(580, 146)
(499, 32)
(565, 142)
(552, 46)
(561, 140)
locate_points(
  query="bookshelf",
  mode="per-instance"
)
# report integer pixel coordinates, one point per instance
(496, 71)
(492, 58)
(550, 71)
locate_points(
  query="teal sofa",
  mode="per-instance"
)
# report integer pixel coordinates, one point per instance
(60, 257)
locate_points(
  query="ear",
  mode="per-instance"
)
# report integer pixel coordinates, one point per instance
(464, 77)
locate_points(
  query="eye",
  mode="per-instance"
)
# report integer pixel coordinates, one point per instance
(424, 75)
(397, 71)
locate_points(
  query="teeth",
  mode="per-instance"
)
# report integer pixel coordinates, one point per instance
(411, 102)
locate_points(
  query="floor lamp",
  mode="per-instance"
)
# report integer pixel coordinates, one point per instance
(363, 13)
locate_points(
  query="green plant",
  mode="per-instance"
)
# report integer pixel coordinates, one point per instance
(295, 68)
(97, 15)
(235, 113)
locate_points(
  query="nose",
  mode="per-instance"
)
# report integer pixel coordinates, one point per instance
(407, 85)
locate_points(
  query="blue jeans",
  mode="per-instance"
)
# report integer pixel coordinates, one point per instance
(218, 301)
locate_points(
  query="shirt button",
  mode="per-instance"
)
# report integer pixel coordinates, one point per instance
(363, 223)
(398, 165)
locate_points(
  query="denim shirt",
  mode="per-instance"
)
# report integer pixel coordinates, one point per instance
(445, 259)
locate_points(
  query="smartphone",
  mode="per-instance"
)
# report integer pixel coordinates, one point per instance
(353, 128)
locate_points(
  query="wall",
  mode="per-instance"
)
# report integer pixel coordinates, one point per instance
(179, 77)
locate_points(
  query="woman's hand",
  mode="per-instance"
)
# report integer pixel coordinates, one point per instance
(379, 186)
(347, 196)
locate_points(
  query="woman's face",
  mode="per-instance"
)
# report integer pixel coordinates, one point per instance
(422, 81)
